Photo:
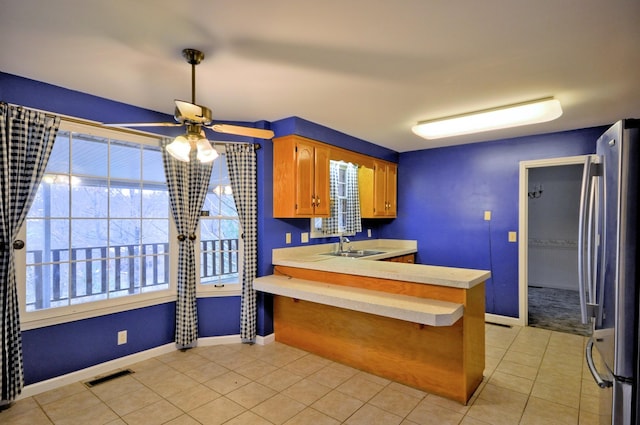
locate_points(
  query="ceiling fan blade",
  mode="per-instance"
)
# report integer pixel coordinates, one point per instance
(145, 124)
(258, 133)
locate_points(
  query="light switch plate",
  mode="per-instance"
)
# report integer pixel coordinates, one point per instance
(487, 216)
(304, 237)
(368, 233)
(287, 238)
(513, 237)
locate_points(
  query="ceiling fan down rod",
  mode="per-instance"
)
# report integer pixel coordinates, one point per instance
(193, 57)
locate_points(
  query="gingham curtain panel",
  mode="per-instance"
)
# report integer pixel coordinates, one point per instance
(27, 138)
(188, 183)
(330, 224)
(354, 221)
(241, 162)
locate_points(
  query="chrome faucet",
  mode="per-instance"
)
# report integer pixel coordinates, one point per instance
(343, 240)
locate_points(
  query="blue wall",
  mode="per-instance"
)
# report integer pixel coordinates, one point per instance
(271, 231)
(450, 188)
(55, 350)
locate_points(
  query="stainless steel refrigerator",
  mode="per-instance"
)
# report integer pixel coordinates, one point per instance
(607, 270)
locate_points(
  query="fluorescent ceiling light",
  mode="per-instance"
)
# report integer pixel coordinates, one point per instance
(537, 111)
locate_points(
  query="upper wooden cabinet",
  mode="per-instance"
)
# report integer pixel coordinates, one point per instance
(378, 190)
(300, 178)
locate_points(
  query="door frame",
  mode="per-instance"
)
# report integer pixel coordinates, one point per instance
(523, 226)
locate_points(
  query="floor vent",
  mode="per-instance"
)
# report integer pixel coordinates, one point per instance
(499, 324)
(108, 377)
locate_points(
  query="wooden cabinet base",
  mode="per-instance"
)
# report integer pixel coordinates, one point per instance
(425, 357)
(447, 360)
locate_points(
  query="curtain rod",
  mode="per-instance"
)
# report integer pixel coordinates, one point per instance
(85, 121)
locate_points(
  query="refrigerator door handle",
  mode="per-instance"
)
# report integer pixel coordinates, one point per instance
(602, 383)
(585, 239)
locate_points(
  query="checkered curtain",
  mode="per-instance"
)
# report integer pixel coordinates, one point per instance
(188, 183)
(354, 221)
(26, 139)
(241, 163)
(330, 224)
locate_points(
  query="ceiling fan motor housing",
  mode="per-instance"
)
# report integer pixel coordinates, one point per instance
(191, 113)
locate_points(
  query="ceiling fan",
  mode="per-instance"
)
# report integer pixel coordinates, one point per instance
(194, 117)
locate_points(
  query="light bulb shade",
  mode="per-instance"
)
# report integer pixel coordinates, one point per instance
(538, 111)
(179, 148)
(206, 152)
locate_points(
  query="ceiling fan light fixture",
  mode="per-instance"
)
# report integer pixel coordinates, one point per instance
(206, 152)
(532, 112)
(179, 148)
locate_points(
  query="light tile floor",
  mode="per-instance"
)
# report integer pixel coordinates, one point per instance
(532, 376)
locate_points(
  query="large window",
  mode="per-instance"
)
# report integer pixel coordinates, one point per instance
(100, 236)
(220, 242)
(99, 226)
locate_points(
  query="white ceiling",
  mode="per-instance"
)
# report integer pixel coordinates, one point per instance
(368, 68)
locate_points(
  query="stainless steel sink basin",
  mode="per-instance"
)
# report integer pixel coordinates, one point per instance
(354, 253)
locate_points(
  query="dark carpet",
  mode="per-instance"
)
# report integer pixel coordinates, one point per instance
(556, 310)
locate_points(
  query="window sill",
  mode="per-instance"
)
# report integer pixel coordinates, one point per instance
(204, 292)
(35, 320)
(40, 319)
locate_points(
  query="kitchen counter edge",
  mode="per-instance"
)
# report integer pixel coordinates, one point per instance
(316, 259)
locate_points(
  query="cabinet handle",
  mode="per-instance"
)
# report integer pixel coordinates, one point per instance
(318, 201)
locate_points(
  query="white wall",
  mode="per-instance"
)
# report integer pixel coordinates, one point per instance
(553, 227)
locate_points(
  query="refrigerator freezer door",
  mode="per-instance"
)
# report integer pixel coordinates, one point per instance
(615, 328)
(616, 275)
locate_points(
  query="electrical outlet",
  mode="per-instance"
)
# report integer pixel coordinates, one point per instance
(368, 233)
(304, 237)
(122, 337)
(513, 237)
(287, 238)
(487, 216)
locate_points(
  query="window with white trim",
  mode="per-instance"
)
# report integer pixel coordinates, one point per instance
(99, 235)
(98, 229)
(219, 236)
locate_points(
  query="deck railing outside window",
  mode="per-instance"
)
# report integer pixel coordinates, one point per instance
(87, 274)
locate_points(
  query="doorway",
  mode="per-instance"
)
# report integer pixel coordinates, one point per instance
(548, 272)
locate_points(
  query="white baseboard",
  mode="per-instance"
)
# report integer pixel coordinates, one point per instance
(93, 371)
(502, 320)
(233, 339)
(264, 340)
(124, 362)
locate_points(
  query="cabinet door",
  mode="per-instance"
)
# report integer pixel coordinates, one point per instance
(392, 189)
(379, 189)
(305, 179)
(385, 183)
(321, 182)
(409, 259)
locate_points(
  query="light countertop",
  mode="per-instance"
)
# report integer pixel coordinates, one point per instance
(402, 307)
(313, 257)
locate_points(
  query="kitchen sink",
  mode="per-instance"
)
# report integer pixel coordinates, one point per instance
(354, 253)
